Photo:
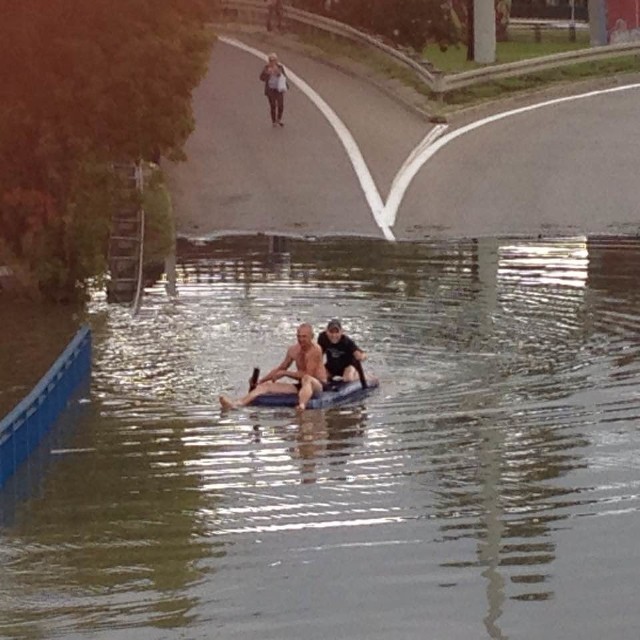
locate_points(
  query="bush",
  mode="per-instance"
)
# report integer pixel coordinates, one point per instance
(159, 231)
(86, 84)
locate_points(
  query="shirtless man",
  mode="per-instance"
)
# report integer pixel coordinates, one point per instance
(310, 373)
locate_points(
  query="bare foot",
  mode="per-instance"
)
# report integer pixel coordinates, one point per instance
(300, 408)
(226, 403)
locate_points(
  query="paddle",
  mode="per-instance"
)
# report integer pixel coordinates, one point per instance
(358, 367)
(254, 378)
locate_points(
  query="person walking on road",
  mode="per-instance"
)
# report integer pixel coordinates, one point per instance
(275, 84)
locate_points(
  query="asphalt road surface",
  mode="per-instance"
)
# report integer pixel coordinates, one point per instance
(565, 168)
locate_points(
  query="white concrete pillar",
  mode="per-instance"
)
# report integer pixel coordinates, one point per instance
(598, 23)
(484, 26)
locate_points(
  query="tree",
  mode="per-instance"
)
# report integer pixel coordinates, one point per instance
(84, 84)
(404, 22)
(503, 14)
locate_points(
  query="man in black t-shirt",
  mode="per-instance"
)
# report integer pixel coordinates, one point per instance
(340, 352)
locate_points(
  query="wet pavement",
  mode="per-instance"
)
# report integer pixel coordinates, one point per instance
(33, 336)
(567, 168)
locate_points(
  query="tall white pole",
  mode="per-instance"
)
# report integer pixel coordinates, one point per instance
(484, 25)
(597, 22)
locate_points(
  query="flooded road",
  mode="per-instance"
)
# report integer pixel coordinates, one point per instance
(489, 489)
(32, 336)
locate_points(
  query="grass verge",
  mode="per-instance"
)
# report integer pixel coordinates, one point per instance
(521, 46)
(551, 77)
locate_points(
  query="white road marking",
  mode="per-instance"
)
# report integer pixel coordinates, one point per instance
(385, 214)
(367, 183)
(406, 173)
(411, 168)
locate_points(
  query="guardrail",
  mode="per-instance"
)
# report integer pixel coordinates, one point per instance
(533, 65)
(24, 427)
(256, 12)
(537, 27)
(253, 12)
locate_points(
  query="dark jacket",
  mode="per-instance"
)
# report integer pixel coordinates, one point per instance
(264, 76)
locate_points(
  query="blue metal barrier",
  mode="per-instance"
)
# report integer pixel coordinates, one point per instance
(23, 428)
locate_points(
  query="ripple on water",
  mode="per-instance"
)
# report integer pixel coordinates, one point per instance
(468, 490)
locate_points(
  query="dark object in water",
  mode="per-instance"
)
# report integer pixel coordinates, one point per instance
(254, 378)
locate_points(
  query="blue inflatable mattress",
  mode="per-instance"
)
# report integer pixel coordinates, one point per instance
(340, 393)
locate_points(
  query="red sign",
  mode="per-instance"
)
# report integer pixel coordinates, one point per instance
(623, 20)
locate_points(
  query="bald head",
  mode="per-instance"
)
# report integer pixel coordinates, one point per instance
(304, 335)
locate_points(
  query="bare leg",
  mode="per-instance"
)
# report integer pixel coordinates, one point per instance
(226, 403)
(310, 386)
(261, 389)
(350, 374)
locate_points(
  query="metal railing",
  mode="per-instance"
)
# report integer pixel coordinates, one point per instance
(126, 242)
(24, 427)
(252, 12)
(533, 65)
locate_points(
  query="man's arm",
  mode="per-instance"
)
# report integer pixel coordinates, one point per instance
(356, 352)
(292, 356)
(280, 370)
(360, 355)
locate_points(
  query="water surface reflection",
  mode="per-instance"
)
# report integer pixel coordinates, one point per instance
(32, 336)
(462, 498)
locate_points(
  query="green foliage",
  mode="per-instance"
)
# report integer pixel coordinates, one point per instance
(85, 84)
(53, 252)
(159, 232)
(406, 22)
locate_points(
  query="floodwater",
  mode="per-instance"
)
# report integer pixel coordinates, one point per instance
(489, 489)
(32, 336)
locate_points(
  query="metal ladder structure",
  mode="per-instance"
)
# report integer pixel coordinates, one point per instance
(126, 244)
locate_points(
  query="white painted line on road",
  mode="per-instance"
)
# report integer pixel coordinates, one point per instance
(385, 214)
(406, 173)
(353, 151)
(411, 167)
